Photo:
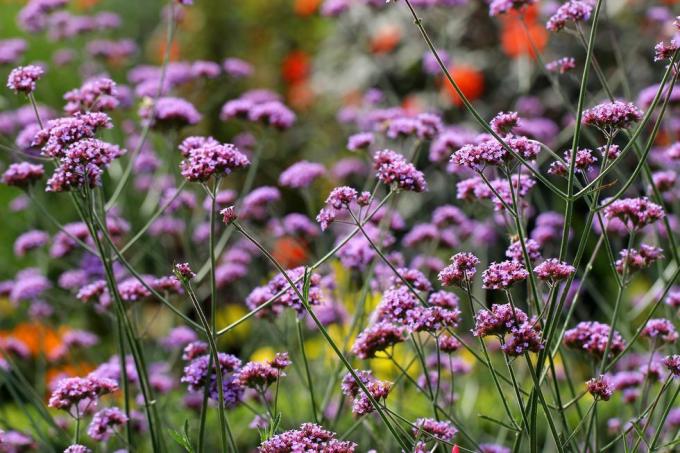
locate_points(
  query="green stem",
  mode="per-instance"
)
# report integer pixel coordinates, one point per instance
(310, 384)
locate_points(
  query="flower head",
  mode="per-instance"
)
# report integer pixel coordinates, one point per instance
(592, 337)
(504, 274)
(611, 116)
(22, 79)
(212, 159)
(554, 270)
(393, 169)
(22, 174)
(600, 387)
(376, 338)
(463, 268)
(105, 422)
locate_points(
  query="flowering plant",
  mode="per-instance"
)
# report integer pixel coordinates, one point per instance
(432, 231)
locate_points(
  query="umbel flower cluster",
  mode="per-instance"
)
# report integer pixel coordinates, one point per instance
(410, 226)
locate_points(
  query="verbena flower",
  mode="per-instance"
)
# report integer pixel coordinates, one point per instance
(665, 50)
(105, 423)
(497, 7)
(361, 404)
(308, 438)
(11, 50)
(591, 337)
(500, 320)
(170, 112)
(237, 68)
(22, 79)
(572, 11)
(30, 240)
(600, 388)
(672, 362)
(362, 140)
(634, 260)
(634, 213)
(515, 251)
(77, 448)
(441, 430)
(197, 376)
(377, 338)
(503, 275)
(462, 269)
(561, 65)
(22, 174)
(212, 159)
(660, 330)
(504, 122)
(393, 169)
(258, 375)
(71, 391)
(554, 270)
(301, 174)
(611, 116)
(95, 95)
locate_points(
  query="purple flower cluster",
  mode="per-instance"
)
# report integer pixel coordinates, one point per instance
(205, 158)
(82, 164)
(660, 330)
(301, 174)
(259, 108)
(361, 403)
(105, 422)
(11, 50)
(197, 376)
(637, 259)
(22, 174)
(503, 275)
(339, 200)
(561, 65)
(59, 134)
(497, 7)
(500, 320)
(310, 438)
(462, 269)
(572, 11)
(170, 112)
(362, 140)
(554, 270)
(611, 116)
(440, 430)
(289, 296)
(672, 362)
(600, 387)
(393, 169)
(591, 337)
(377, 338)
(71, 391)
(22, 79)
(504, 122)
(95, 95)
(634, 213)
(260, 375)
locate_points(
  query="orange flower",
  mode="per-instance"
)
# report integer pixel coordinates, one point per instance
(160, 44)
(39, 338)
(67, 370)
(300, 95)
(412, 105)
(295, 66)
(517, 41)
(306, 7)
(469, 80)
(290, 252)
(385, 39)
(86, 4)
